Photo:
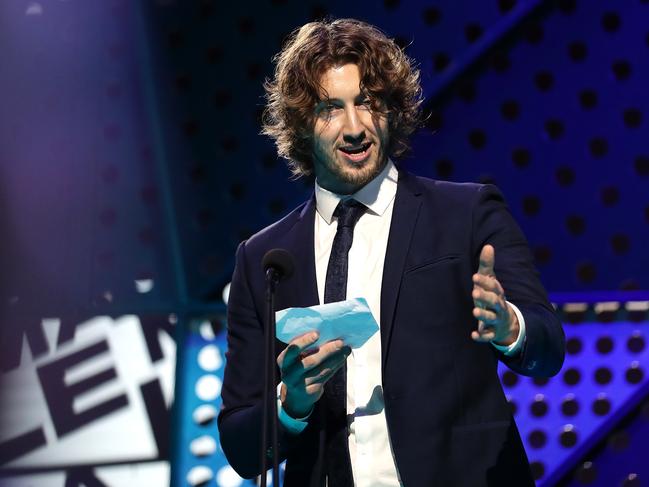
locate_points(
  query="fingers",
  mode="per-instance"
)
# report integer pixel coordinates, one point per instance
(485, 315)
(485, 336)
(324, 352)
(294, 349)
(324, 372)
(488, 283)
(485, 332)
(487, 261)
(486, 299)
(329, 356)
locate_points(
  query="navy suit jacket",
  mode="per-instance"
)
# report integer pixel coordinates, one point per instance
(448, 419)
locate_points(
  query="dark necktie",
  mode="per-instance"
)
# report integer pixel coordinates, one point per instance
(339, 468)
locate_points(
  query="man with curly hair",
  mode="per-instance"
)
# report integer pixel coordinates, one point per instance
(444, 268)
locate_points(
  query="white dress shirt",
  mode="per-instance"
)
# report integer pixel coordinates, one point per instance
(372, 459)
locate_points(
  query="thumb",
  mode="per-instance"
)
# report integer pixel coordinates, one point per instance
(487, 261)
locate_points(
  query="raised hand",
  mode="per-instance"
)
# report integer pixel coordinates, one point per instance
(497, 321)
(305, 371)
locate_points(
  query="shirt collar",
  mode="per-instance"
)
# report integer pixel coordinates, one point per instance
(376, 195)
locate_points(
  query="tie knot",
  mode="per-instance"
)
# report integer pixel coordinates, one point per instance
(349, 212)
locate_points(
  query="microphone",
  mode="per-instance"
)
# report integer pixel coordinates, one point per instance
(278, 264)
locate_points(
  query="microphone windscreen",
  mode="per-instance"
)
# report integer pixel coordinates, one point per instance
(281, 260)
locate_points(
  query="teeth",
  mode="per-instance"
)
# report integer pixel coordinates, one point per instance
(355, 150)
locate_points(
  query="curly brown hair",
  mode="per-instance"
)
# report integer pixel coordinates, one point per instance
(388, 77)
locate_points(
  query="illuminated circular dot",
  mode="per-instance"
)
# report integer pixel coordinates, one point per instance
(199, 475)
(204, 414)
(209, 358)
(203, 446)
(207, 331)
(568, 436)
(208, 387)
(634, 373)
(227, 477)
(601, 406)
(34, 8)
(539, 407)
(636, 342)
(586, 473)
(631, 480)
(570, 406)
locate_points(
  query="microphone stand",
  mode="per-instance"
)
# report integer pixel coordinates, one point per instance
(270, 381)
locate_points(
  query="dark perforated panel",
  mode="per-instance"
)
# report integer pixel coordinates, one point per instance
(603, 378)
(559, 128)
(545, 99)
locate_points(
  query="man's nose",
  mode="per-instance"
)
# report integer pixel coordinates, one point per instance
(353, 131)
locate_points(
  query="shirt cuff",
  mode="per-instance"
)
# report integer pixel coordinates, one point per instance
(293, 425)
(514, 348)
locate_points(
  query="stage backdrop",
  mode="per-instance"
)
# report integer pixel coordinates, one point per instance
(131, 167)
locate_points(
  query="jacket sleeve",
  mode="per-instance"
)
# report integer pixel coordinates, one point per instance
(240, 419)
(543, 351)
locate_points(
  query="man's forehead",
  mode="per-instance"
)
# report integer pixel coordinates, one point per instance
(340, 79)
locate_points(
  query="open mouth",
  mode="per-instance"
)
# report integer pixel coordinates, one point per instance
(356, 153)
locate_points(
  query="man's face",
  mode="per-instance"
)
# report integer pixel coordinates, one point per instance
(349, 140)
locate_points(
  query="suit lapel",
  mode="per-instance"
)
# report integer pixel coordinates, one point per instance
(300, 289)
(404, 217)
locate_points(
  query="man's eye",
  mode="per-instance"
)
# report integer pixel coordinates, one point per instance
(365, 103)
(328, 109)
